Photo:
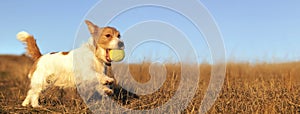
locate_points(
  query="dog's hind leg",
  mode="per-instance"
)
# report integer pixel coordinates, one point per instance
(38, 83)
(33, 95)
(27, 99)
(35, 92)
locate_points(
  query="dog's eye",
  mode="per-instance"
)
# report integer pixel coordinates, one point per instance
(119, 36)
(108, 35)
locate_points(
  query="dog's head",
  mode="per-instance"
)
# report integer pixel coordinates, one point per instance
(104, 39)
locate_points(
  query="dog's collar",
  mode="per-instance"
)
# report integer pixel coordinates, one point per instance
(108, 64)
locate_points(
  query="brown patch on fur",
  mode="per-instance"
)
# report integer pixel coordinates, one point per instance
(106, 36)
(102, 39)
(33, 68)
(32, 48)
(102, 36)
(65, 53)
(53, 53)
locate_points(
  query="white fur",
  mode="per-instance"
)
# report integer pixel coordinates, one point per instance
(22, 36)
(114, 43)
(60, 70)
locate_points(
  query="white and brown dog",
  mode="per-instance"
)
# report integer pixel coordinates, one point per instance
(57, 69)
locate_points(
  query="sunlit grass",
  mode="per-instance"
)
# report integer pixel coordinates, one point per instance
(248, 88)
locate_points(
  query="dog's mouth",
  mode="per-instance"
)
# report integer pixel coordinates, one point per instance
(108, 59)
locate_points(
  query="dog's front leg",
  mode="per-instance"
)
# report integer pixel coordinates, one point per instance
(105, 80)
(105, 89)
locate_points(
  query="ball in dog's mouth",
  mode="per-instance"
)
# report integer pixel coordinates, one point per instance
(115, 55)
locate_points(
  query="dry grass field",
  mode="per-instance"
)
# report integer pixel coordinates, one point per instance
(248, 88)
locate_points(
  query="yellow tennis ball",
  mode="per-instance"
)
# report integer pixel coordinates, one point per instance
(116, 55)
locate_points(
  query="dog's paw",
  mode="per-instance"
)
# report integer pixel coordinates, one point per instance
(36, 106)
(25, 103)
(108, 91)
(107, 81)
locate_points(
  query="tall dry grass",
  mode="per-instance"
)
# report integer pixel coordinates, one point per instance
(247, 88)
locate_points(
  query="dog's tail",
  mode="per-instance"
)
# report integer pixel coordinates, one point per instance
(31, 47)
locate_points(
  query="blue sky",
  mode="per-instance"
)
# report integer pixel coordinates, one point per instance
(252, 30)
(259, 29)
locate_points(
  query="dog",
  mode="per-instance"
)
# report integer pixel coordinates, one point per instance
(57, 68)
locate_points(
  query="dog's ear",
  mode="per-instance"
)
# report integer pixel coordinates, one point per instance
(94, 31)
(92, 27)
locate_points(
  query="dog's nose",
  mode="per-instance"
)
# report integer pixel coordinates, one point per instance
(121, 45)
